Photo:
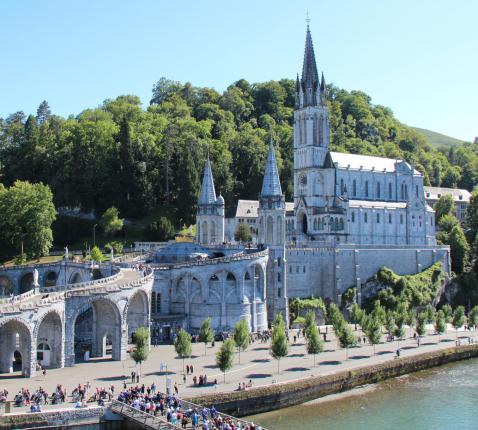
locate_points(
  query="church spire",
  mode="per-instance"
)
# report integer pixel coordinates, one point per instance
(310, 76)
(271, 183)
(208, 193)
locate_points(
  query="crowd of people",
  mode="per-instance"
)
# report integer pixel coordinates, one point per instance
(170, 407)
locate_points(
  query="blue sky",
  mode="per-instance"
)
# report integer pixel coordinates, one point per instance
(419, 57)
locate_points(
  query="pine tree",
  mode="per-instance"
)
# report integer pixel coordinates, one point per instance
(225, 356)
(206, 333)
(315, 344)
(43, 112)
(421, 323)
(241, 336)
(279, 345)
(346, 338)
(440, 324)
(182, 345)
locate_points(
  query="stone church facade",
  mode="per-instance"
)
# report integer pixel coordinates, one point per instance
(350, 216)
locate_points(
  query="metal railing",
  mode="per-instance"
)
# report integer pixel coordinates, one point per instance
(141, 417)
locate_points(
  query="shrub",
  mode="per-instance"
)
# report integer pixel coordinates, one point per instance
(161, 230)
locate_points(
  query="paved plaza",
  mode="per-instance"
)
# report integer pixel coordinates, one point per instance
(256, 365)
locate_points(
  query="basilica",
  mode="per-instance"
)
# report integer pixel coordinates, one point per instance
(350, 216)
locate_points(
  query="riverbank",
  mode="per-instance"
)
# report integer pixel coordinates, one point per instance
(282, 395)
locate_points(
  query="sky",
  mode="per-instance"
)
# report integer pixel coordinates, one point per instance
(419, 57)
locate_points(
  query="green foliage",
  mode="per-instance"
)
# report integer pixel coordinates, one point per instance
(440, 324)
(182, 344)
(309, 322)
(161, 230)
(458, 249)
(473, 317)
(390, 322)
(430, 310)
(417, 290)
(401, 314)
(346, 336)
(379, 311)
(225, 356)
(444, 206)
(356, 314)
(315, 344)
(335, 317)
(241, 336)
(279, 346)
(96, 254)
(421, 323)
(297, 306)
(349, 295)
(141, 350)
(206, 333)
(448, 313)
(458, 317)
(116, 246)
(373, 330)
(243, 233)
(110, 221)
(26, 216)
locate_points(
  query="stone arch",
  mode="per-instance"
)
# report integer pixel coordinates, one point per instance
(26, 282)
(6, 286)
(179, 295)
(269, 230)
(16, 337)
(75, 278)
(48, 337)
(50, 279)
(259, 281)
(136, 312)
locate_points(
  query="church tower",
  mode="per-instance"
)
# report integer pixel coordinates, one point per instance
(210, 211)
(271, 216)
(314, 173)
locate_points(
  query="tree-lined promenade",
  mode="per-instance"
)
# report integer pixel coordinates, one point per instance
(258, 366)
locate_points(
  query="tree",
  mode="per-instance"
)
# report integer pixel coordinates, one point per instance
(430, 310)
(182, 345)
(458, 318)
(279, 345)
(96, 254)
(390, 323)
(444, 206)
(206, 333)
(26, 216)
(110, 221)
(346, 338)
(309, 322)
(458, 249)
(225, 356)
(440, 324)
(421, 323)
(141, 350)
(412, 319)
(43, 112)
(243, 233)
(373, 330)
(473, 317)
(241, 336)
(315, 344)
(356, 314)
(448, 313)
(161, 230)
(401, 317)
(379, 311)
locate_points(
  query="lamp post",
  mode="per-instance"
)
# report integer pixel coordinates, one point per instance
(94, 235)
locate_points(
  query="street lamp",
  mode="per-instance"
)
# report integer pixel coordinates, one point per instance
(94, 235)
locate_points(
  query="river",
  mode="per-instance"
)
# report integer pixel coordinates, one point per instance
(443, 398)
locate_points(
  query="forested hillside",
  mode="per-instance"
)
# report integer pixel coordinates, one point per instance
(139, 159)
(438, 140)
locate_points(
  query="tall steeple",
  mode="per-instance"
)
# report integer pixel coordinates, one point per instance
(271, 184)
(208, 193)
(310, 77)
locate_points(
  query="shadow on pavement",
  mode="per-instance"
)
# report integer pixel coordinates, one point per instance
(329, 363)
(259, 375)
(160, 373)
(384, 352)
(261, 360)
(408, 347)
(297, 369)
(113, 378)
(296, 355)
(210, 366)
(261, 348)
(446, 340)
(359, 357)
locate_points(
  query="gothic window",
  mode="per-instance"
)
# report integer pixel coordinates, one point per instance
(321, 131)
(279, 292)
(390, 190)
(389, 218)
(353, 216)
(416, 191)
(378, 218)
(401, 218)
(269, 230)
(155, 303)
(315, 224)
(341, 186)
(278, 277)
(279, 230)
(247, 277)
(278, 261)
(230, 277)
(303, 269)
(336, 226)
(378, 190)
(366, 188)
(365, 217)
(315, 130)
(341, 225)
(406, 192)
(354, 188)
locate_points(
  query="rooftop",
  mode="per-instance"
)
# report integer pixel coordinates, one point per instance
(459, 195)
(368, 162)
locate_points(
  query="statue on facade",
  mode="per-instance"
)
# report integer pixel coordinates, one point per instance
(66, 252)
(111, 255)
(35, 278)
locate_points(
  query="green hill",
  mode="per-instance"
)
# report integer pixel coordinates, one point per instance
(438, 140)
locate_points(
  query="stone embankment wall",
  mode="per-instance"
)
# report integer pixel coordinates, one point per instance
(278, 396)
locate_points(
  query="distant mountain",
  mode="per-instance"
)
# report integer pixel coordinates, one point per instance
(438, 140)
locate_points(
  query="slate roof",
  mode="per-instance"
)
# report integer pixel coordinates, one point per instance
(271, 183)
(367, 162)
(208, 193)
(459, 195)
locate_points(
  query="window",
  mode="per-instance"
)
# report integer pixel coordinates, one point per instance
(416, 191)
(341, 186)
(378, 218)
(354, 188)
(278, 261)
(378, 190)
(341, 226)
(401, 218)
(278, 292)
(353, 216)
(155, 303)
(389, 218)
(278, 277)
(366, 188)
(390, 190)
(303, 269)
(365, 218)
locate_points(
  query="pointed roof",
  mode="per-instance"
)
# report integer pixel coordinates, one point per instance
(271, 183)
(208, 193)
(322, 83)
(310, 76)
